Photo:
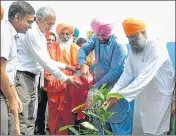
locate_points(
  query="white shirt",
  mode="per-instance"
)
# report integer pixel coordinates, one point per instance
(33, 55)
(153, 86)
(8, 49)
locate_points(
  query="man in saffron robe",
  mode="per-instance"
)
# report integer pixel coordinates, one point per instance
(59, 95)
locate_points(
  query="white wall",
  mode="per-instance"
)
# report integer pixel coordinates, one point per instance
(158, 15)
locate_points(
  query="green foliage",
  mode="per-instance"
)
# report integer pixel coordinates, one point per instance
(97, 112)
(89, 125)
(74, 131)
(116, 95)
(108, 132)
(65, 127)
(78, 107)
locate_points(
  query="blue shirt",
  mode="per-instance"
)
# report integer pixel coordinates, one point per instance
(109, 59)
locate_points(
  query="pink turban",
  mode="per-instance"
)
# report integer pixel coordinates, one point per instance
(101, 27)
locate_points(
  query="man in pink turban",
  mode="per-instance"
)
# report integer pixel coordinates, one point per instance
(110, 56)
(100, 27)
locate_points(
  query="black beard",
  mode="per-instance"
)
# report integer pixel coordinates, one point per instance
(104, 41)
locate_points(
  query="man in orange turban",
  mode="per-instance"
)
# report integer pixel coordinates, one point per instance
(133, 29)
(62, 98)
(150, 68)
(132, 26)
(61, 27)
(2, 12)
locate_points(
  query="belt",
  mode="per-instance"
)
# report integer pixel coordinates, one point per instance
(27, 73)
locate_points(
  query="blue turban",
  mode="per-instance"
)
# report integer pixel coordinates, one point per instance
(76, 32)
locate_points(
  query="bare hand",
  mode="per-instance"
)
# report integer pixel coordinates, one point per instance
(110, 101)
(85, 71)
(20, 105)
(72, 81)
(71, 68)
(13, 105)
(14, 109)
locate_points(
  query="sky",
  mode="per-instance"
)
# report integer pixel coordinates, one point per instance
(159, 16)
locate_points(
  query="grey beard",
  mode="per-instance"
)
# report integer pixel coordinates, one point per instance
(138, 49)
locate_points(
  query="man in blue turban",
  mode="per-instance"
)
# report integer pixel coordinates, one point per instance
(75, 34)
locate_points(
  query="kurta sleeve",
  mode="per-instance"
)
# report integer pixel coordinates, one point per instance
(43, 57)
(117, 65)
(85, 50)
(126, 76)
(149, 68)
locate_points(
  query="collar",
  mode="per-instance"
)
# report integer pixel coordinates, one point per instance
(12, 29)
(36, 26)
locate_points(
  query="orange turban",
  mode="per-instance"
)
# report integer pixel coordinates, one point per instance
(2, 13)
(61, 27)
(132, 26)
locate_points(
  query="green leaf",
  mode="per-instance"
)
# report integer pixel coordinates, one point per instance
(86, 132)
(91, 113)
(108, 115)
(115, 95)
(103, 120)
(103, 86)
(108, 132)
(101, 96)
(64, 128)
(105, 93)
(89, 126)
(78, 107)
(74, 131)
(104, 107)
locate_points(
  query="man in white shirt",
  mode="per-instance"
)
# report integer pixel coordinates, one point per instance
(152, 88)
(20, 18)
(32, 58)
(41, 123)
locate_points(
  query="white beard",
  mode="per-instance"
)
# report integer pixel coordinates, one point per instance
(65, 45)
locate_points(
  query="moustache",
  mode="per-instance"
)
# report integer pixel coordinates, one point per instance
(64, 39)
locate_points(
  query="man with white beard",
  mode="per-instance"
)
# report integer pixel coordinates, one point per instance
(152, 88)
(64, 51)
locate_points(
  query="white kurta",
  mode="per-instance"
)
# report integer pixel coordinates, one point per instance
(153, 86)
